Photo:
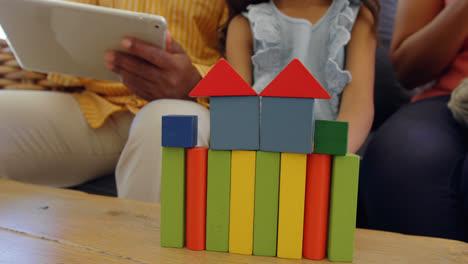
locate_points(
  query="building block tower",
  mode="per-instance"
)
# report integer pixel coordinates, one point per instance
(275, 183)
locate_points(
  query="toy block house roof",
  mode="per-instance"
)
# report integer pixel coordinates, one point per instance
(222, 80)
(295, 81)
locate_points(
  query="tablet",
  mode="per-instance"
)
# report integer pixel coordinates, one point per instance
(72, 38)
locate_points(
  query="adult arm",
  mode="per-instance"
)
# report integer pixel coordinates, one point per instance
(426, 38)
(357, 101)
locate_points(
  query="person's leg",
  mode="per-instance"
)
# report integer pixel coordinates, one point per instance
(460, 188)
(464, 187)
(45, 139)
(138, 173)
(408, 173)
(464, 193)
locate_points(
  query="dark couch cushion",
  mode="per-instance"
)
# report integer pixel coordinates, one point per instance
(102, 186)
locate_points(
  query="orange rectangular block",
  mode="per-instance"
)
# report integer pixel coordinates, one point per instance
(196, 198)
(316, 206)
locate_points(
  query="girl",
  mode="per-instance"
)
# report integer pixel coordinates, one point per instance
(334, 39)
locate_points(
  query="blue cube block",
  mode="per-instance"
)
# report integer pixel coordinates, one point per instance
(180, 131)
(234, 122)
(287, 125)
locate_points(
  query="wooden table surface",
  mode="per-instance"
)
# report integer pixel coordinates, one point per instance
(48, 225)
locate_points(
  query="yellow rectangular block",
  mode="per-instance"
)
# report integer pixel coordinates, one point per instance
(242, 202)
(291, 205)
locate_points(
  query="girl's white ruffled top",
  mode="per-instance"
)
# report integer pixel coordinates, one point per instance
(278, 39)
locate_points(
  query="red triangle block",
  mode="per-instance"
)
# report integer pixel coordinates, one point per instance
(222, 80)
(295, 81)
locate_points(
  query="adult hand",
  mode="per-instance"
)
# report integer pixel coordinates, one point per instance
(153, 73)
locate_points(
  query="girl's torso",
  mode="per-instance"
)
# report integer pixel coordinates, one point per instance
(320, 46)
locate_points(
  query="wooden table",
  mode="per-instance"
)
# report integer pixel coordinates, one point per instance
(48, 225)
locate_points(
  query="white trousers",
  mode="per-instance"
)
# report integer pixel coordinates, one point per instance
(45, 139)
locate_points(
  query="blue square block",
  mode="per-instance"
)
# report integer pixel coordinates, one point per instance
(179, 131)
(234, 122)
(287, 125)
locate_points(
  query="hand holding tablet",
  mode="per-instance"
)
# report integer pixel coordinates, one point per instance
(71, 38)
(153, 73)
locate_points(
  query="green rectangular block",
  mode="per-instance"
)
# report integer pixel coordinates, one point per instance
(173, 197)
(343, 205)
(218, 200)
(331, 137)
(267, 180)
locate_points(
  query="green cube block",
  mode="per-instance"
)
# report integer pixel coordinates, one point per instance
(331, 137)
(173, 197)
(218, 200)
(267, 180)
(343, 206)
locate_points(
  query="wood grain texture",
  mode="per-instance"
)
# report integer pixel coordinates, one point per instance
(130, 230)
(19, 248)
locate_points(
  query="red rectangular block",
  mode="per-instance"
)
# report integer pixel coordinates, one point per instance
(196, 198)
(316, 206)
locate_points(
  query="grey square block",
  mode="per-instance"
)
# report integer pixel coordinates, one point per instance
(235, 122)
(287, 124)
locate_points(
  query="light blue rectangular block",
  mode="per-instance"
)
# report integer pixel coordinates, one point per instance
(287, 125)
(235, 122)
